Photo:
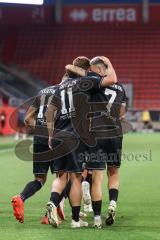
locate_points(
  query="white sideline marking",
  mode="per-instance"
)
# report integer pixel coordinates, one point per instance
(6, 150)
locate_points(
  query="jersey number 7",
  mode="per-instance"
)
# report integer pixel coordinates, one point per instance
(113, 95)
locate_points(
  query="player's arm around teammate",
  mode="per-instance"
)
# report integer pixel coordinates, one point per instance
(63, 167)
(102, 66)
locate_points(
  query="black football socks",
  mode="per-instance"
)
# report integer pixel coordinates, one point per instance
(75, 213)
(55, 198)
(97, 206)
(113, 194)
(30, 189)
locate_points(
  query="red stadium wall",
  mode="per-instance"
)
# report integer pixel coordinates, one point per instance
(5, 128)
(154, 13)
(86, 13)
(20, 15)
(44, 49)
(134, 51)
(9, 46)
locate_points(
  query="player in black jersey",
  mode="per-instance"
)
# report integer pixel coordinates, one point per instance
(42, 155)
(106, 98)
(71, 104)
(104, 67)
(62, 177)
(109, 143)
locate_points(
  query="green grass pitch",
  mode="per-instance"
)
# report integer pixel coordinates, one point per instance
(138, 212)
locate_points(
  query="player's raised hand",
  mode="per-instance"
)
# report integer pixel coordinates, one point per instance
(76, 70)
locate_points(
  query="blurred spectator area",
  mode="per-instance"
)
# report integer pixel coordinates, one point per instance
(134, 51)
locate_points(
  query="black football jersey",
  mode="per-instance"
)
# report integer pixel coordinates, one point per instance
(72, 101)
(113, 96)
(109, 101)
(41, 102)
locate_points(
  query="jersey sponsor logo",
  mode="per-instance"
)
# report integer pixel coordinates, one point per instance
(118, 87)
(47, 91)
(68, 84)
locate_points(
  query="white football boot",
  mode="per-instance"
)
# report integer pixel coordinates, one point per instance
(111, 214)
(86, 192)
(52, 214)
(88, 208)
(97, 222)
(78, 224)
(82, 215)
(86, 197)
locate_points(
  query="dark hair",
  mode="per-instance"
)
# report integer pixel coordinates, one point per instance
(71, 74)
(82, 62)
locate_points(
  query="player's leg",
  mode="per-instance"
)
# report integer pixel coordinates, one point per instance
(113, 164)
(113, 186)
(60, 208)
(40, 170)
(96, 194)
(58, 187)
(75, 197)
(86, 190)
(97, 164)
(34, 186)
(64, 196)
(30, 189)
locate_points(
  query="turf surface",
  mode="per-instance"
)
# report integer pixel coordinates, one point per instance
(138, 213)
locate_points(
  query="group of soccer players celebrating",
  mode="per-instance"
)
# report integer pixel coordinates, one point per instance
(77, 135)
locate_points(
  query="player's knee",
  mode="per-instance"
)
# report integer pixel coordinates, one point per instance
(63, 176)
(112, 171)
(97, 176)
(78, 177)
(75, 177)
(41, 178)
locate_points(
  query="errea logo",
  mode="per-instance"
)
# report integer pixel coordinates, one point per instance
(103, 14)
(112, 15)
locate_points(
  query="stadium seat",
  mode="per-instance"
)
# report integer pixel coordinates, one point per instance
(133, 50)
